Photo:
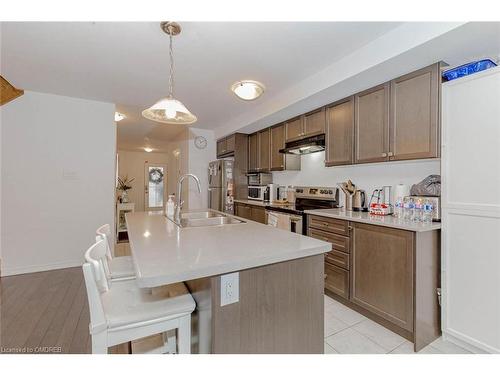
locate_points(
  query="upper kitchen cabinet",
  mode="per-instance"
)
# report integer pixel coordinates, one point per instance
(294, 128)
(264, 154)
(340, 133)
(314, 123)
(226, 146)
(414, 119)
(253, 150)
(307, 125)
(279, 161)
(371, 125)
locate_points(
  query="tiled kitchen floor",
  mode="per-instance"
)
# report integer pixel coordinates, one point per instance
(348, 332)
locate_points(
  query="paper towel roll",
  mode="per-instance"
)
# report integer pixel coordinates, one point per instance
(400, 190)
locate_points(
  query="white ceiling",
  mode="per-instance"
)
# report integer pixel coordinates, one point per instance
(127, 63)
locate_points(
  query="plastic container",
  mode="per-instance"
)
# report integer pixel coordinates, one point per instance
(428, 212)
(170, 206)
(467, 69)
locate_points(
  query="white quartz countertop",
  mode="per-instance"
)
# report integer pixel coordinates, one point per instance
(164, 253)
(385, 221)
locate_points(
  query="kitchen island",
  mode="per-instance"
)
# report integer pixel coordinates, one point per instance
(280, 275)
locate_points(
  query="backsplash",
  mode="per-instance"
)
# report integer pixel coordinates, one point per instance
(366, 176)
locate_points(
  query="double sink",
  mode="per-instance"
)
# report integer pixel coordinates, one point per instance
(206, 218)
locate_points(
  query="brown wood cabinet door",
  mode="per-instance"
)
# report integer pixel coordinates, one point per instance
(221, 146)
(258, 214)
(340, 133)
(337, 280)
(243, 210)
(264, 159)
(294, 129)
(277, 143)
(253, 150)
(371, 125)
(382, 272)
(231, 143)
(314, 122)
(414, 122)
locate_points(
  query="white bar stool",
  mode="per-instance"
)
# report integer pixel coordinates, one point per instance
(122, 312)
(117, 268)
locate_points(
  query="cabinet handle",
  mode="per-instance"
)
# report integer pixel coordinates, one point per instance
(384, 154)
(390, 153)
(349, 227)
(325, 276)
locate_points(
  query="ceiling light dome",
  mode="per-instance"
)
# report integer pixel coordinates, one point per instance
(169, 110)
(247, 89)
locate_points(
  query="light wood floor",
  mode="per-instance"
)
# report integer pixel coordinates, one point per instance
(44, 312)
(48, 311)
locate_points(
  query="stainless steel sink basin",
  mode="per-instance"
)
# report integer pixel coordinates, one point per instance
(209, 221)
(200, 215)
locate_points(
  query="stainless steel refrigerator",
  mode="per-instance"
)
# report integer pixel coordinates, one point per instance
(221, 186)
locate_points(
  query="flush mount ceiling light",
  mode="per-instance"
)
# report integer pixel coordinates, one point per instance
(119, 116)
(247, 89)
(148, 149)
(169, 110)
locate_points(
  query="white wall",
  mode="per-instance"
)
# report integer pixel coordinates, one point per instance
(365, 176)
(58, 169)
(131, 164)
(198, 165)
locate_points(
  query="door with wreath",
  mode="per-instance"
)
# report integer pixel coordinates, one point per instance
(155, 178)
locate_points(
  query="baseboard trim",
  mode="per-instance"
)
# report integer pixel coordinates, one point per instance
(468, 343)
(40, 267)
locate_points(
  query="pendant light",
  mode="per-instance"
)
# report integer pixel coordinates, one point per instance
(169, 110)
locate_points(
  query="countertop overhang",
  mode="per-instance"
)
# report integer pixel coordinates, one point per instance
(164, 253)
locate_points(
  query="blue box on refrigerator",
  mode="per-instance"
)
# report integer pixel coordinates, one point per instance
(467, 69)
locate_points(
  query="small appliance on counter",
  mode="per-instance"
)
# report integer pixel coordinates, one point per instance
(258, 193)
(359, 200)
(380, 202)
(271, 194)
(258, 186)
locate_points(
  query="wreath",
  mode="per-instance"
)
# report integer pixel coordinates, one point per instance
(155, 175)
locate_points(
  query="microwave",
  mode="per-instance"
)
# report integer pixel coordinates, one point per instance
(259, 179)
(258, 193)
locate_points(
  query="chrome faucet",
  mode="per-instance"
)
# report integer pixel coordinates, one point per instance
(180, 202)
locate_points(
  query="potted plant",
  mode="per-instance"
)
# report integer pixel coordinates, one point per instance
(124, 185)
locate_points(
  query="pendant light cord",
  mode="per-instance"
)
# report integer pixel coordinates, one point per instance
(171, 79)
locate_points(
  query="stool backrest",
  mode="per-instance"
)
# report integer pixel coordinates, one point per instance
(96, 257)
(104, 232)
(90, 270)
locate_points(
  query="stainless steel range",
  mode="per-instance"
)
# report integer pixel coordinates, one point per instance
(292, 216)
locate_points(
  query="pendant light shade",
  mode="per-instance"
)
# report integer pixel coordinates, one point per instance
(169, 110)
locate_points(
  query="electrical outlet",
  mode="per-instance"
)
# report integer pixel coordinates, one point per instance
(229, 288)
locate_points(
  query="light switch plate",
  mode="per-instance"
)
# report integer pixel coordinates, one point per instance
(229, 288)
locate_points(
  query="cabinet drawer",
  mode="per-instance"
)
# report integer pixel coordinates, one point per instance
(340, 243)
(337, 280)
(338, 258)
(330, 225)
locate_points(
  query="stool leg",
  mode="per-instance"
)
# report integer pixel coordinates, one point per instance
(99, 343)
(184, 335)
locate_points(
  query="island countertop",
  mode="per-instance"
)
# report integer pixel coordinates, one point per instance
(364, 217)
(164, 253)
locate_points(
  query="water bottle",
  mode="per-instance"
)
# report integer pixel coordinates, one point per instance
(418, 211)
(408, 209)
(398, 208)
(428, 211)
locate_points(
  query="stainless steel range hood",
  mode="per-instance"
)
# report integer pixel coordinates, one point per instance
(305, 146)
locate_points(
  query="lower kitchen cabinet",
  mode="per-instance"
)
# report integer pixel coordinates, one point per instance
(250, 212)
(390, 275)
(382, 272)
(337, 280)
